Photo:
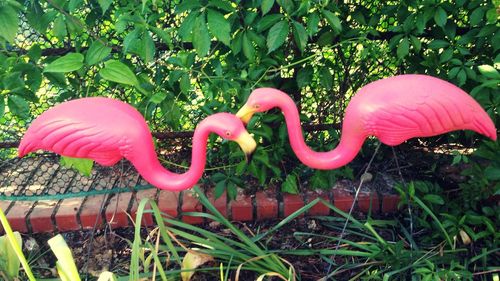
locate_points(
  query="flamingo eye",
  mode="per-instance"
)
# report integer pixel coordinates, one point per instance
(256, 106)
(228, 133)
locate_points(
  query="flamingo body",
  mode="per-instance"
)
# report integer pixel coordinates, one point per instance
(393, 109)
(107, 130)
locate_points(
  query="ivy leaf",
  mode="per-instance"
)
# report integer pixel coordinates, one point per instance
(96, 53)
(18, 106)
(290, 184)
(67, 63)
(201, 39)
(312, 24)
(268, 21)
(440, 16)
(277, 35)
(118, 72)
(82, 165)
(300, 35)
(9, 22)
(219, 26)
(266, 6)
(333, 20)
(163, 35)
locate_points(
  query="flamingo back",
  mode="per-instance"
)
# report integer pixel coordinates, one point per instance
(398, 108)
(97, 128)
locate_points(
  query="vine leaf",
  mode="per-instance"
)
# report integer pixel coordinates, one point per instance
(201, 39)
(83, 166)
(219, 26)
(277, 35)
(96, 53)
(9, 23)
(118, 72)
(67, 63)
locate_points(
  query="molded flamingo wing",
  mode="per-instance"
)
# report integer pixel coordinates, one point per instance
(430, 108)
(74, 139)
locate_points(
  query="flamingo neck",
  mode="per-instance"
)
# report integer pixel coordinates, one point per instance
(348, 148)
(152, 170)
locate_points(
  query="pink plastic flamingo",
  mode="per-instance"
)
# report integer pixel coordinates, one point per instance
(106, 130)
(393, 109)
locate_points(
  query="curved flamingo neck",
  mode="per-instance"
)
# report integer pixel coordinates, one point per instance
(348, 148)
(152, 171)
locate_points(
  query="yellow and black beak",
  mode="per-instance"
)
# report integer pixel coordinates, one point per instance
(245, 113)
(247, 144)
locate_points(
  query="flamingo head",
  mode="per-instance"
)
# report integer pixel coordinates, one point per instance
(261, 100)
(230, 127)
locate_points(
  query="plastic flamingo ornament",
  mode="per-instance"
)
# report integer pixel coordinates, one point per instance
(106, 130)
(393, 109)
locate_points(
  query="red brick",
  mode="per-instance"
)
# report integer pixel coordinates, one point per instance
(89, 211)
(319, 209)
(116, 210)
(17, 215)
(168, 202)
(342, 199)
(191, 204)
(291, 203)
(41, 216)
(365, 199)
(241, 207)
(66, 216)
(147, 218)
(220, 203)
(266, 205)
(390, 203)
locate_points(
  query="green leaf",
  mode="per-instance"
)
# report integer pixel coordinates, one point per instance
(438, 44)
(477, 16)
(9, 22)
(83, 166)
(187, 5)
(185, 83)
(492, 173)
(147, 47)
(60, 30)
(267, 21)
(300, 35)
(96, 53)
(222, 5)
(290, 185)
(104, 5)
(220, 187)
(277, 35)
(266, 6)
(333, 20)
(417, 45)
(201, 38)
(69, 62)
(403, 48)
(489, 71)
(313, 24)
(163, 35)
(185, 31)
(219, 26)
(118, 72)
(304, 76)
(65, 264)
(2, 106)
(434, 199)
(158, 97)
(446, 55)
(440, 16)
(326, 78)
(18, 106)
(248, 48)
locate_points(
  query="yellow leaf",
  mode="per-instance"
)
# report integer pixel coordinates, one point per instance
(191, 261)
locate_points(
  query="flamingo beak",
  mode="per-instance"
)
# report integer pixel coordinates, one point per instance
(247, 144)
(245, 113)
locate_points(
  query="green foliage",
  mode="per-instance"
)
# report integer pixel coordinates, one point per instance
(178, 61)
(84, 166)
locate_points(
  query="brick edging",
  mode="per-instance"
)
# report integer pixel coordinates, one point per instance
(261, 206)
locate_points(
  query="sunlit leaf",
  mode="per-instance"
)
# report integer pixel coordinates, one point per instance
(65, 262)
(266, 6)
(118, 72)
(9, 22)
(219, 26)
(67, 63)
(201, 38)
(84, 166)
(96, 53)
(333, 20)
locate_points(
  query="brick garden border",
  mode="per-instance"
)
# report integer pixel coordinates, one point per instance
(82, 213)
